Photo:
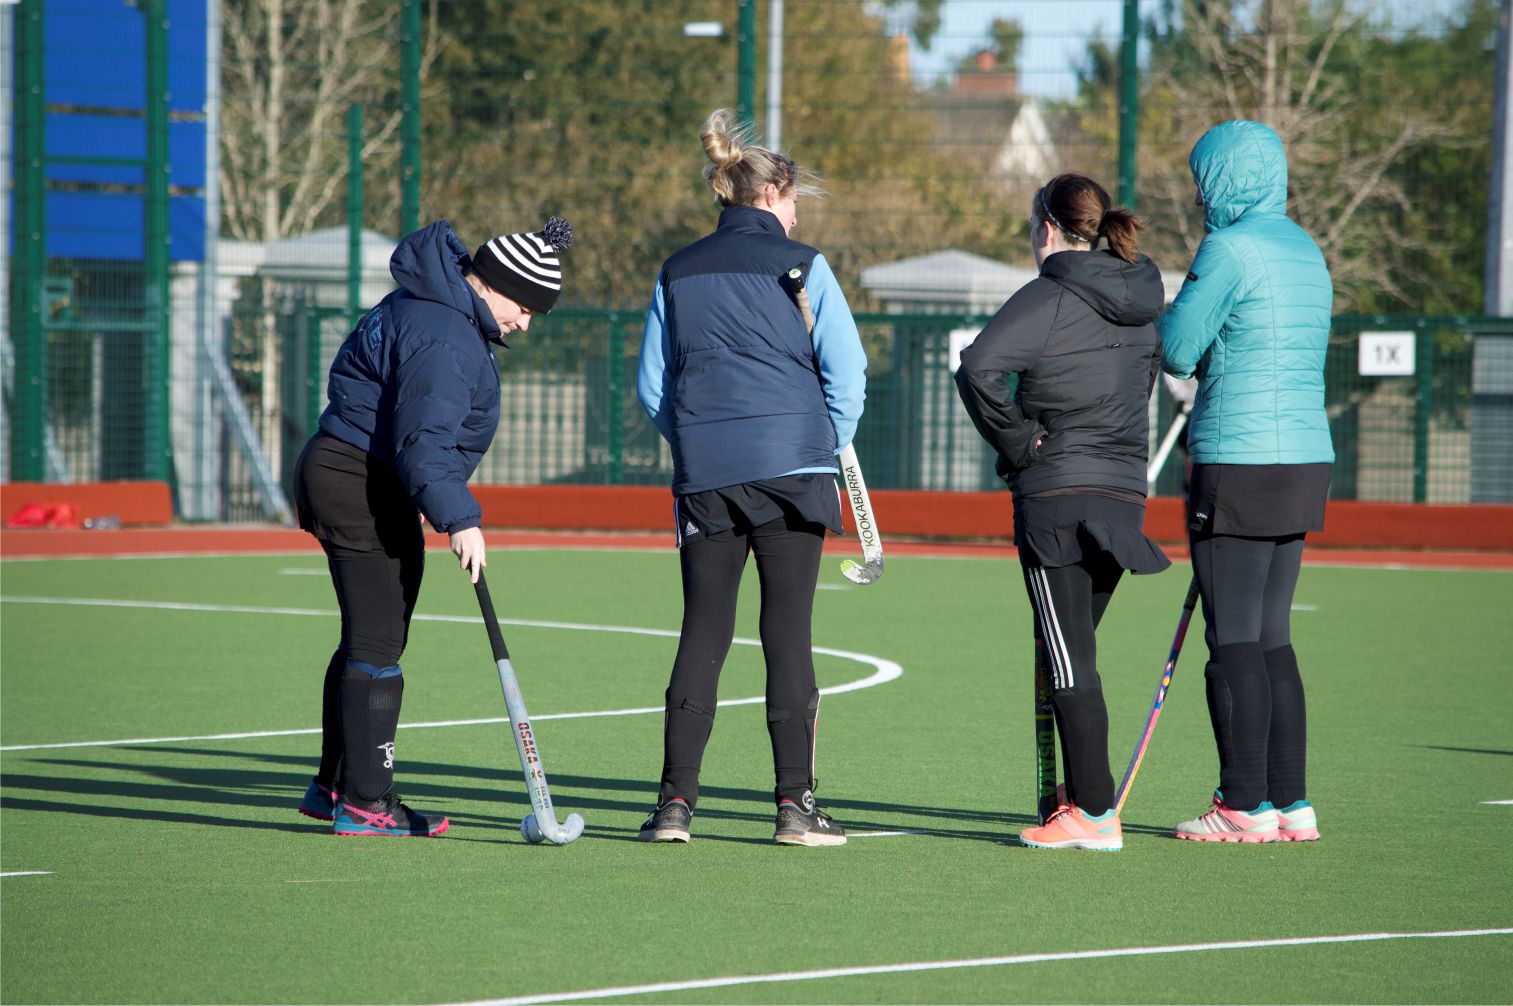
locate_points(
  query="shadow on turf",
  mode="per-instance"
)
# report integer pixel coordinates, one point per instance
(193, 784)
(1442, 747)
(177, 785)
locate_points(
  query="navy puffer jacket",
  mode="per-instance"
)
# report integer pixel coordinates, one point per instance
(416, 384)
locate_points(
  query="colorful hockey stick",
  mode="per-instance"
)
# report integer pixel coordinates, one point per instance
(1166, 680)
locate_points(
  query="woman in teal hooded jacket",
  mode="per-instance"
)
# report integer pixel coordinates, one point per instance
(1251, 323)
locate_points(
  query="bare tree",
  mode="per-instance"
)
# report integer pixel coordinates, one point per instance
(1297, 66)
(292, 68)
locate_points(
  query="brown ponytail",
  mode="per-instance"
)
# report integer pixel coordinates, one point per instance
(1081, 209)
(1119, 229)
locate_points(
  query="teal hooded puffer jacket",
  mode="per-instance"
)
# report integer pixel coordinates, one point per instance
(1252, 319)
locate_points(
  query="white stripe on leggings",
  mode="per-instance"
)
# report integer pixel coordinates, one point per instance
(1052, 654)
(1052, 628)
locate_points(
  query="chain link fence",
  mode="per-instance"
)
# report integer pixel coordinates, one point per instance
(180, 331)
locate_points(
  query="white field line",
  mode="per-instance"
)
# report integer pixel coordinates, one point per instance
(971, 962)
(880, 834)
(1498, 803)
(26, 873)
(305, 571)
(883, 672)
(1295, 607)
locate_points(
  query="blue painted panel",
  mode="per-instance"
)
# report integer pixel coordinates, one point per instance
(186, 154)
(97, 54)
(96, 136)
(102, 225)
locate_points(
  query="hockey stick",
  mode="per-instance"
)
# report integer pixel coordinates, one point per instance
(542, 822)
(1166, 680)
(871, 566)
(1167, 443)
(1045, 738)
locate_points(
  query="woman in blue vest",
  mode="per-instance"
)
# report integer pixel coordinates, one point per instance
(1252, 323)
(755, 410)
(414, 401)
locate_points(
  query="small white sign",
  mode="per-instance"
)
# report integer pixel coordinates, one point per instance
(703, 29)
(960, 338)
(1386, 354)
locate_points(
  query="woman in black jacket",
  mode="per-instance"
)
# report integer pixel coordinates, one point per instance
(1071, 441)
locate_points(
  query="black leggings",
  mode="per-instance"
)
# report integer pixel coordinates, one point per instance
(787, 554)
(1068, 603)
(1255, 693)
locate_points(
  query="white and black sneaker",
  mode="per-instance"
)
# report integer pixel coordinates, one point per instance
(668, 823)
(806, 824)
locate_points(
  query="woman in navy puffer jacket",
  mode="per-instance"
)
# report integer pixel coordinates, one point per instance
(414, 401)
(1252, 323)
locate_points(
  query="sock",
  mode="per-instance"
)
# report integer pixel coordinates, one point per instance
(329, 773)
(369, 720)
(1239, 706)
(685, 731)
(1287, 750)
(792, 733)
(1082, 720)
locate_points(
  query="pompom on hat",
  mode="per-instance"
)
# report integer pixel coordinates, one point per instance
(525, 267)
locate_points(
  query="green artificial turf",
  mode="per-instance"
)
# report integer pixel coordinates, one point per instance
(181, 873)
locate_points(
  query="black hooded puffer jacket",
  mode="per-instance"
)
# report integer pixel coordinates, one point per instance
(1081, 340)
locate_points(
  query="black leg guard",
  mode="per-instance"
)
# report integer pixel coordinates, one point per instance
(1239, 704)
(329, 773)
(685, 731)
(1082, 719)
(1287, 754)
(793, 734)
(369, 720)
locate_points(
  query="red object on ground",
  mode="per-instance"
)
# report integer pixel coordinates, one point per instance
(136, 503)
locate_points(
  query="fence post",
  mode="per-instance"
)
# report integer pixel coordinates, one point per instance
(1129, 102)
(354, 213)
(616, 409)
(409, 130)
(745, 103)
(1423, 409)
(29, 264)
(313, 319)
(159, 463)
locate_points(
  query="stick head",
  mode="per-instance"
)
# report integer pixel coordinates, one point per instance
(862, 573)
(569, 832)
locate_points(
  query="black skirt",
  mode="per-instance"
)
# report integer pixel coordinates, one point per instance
(1257, 501)
(1065, 530)
(808, 498)
(345, 496)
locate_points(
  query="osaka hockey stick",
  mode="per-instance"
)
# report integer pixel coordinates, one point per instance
(1045, 737)
(1166, 681)
(871, 566)
(542, 822)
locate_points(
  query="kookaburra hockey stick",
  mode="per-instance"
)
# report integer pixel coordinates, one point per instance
(541, 823)
(871, 566)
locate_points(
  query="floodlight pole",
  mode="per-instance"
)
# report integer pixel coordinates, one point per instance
(1129, 101)
(745, 105)
(1498, 299)
(774, 74)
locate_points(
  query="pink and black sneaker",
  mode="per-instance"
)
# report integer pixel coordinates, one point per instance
(387, 817)
(319, 801)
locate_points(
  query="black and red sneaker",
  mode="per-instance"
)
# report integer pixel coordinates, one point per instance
(802, 823)
(387, 817)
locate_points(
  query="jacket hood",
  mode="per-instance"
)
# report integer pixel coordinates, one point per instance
(1239, 166)
(429, 265)
(1125, 293)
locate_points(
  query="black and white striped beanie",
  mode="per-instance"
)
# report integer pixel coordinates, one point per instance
(525, 267)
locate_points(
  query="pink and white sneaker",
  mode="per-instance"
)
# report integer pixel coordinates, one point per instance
(1070, 828)
(1297, 823)
(1226, 824)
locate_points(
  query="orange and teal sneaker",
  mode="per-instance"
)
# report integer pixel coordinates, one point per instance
(1297, 823)
(1226, 824)
(1072, 828)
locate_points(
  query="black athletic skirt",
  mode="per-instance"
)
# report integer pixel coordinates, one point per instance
(809, 498)
(345, 496)
(1064, 530)
(1257, 501)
